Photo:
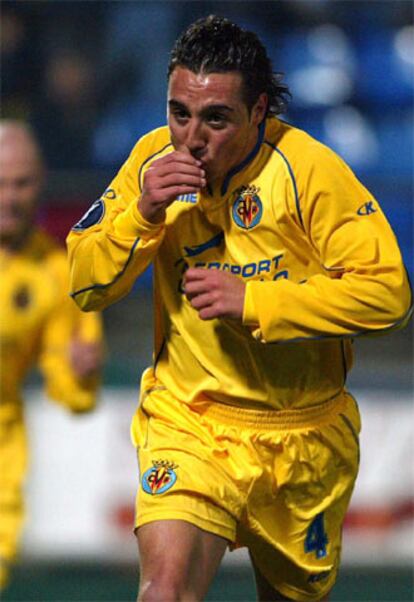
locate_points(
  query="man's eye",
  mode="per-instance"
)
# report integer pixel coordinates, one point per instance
(180, 115)
(216, 118)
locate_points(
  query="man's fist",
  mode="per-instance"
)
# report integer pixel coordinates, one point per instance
(176, 173)
(214, 294)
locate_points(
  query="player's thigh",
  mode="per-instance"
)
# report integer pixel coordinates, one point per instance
(295, 537)
(186, 468)
(179, 555)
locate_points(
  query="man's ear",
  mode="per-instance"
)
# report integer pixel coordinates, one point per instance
(260, 108)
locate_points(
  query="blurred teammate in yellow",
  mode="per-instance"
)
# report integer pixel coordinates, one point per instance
(39, 324)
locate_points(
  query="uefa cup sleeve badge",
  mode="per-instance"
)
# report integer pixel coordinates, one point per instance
(247, 208)
(159, 478)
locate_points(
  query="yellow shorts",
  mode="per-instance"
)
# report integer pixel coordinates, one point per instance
(277, 482)
(13, 461)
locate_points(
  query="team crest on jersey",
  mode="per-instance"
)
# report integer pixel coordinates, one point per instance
(160, 478)
(93, 216)
(247, 208)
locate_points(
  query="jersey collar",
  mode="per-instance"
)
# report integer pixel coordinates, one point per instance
(237, 168)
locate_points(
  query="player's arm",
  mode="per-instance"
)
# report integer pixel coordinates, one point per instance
(115, 243)
(112, 244)
(71, 350)
(363, 288)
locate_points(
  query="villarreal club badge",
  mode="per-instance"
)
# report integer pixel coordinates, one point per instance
(159, 478)
(247, 208)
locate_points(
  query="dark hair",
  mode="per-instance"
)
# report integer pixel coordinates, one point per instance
(216, 45)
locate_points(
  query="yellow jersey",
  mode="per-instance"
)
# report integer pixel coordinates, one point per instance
(37, 322)
(320, 262)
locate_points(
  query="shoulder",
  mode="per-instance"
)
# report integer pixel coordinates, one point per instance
(315, 170)
(301, 151)
(155, 142)
(148, 148)
(127, 182)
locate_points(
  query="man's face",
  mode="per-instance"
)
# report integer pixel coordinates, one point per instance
(20, 184)
(208, 118)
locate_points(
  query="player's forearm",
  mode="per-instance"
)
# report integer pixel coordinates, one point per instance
(105, 263)
(357, 304)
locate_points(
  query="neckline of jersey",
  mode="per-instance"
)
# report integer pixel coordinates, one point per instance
(248, 159)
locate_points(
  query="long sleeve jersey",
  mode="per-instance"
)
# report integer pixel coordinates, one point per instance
(38, 320)
(319, 259)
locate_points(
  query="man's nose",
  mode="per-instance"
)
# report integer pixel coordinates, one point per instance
(195, 140)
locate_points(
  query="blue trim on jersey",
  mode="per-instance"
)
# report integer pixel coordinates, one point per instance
(116, 278)
(234, 170)
(292, 178)
(209, 244)
(149, 159)
(322, 337)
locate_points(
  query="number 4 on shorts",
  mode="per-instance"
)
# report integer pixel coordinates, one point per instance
(316, 538)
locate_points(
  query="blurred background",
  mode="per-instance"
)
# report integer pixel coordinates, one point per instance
(90, 77)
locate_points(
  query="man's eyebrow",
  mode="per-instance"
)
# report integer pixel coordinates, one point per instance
(208, 109)
(211, 108)
(177, 104)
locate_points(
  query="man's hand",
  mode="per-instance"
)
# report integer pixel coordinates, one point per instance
(85, 358)
(214, 294)
(176, 173)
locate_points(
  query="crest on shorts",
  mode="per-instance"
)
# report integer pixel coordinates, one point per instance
(247, 208)
(160, 478)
